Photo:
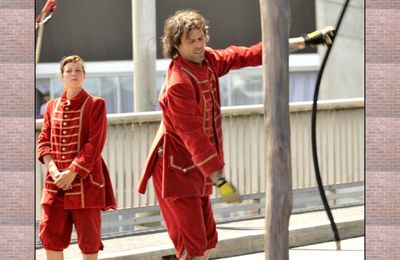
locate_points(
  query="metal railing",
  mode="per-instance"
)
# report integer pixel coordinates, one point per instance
(340, 137)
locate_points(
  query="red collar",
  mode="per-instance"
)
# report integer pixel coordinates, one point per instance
(76, 101)
(201, 71)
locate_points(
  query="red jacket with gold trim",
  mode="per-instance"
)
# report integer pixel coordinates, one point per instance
(190, 132)
(74, 133)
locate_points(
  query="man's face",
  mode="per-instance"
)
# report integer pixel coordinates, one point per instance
(192, 46)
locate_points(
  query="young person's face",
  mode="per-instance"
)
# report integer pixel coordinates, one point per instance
(73, 75)
(192, 46)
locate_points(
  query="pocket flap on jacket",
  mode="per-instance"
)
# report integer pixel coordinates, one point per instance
(181, 164)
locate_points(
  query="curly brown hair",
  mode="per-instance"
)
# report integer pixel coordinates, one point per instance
(72, 58)
(178, 25)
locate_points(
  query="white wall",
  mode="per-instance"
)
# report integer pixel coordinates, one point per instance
(344, 72)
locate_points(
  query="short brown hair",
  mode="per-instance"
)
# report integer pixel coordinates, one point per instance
(181, 23)
(72, 58)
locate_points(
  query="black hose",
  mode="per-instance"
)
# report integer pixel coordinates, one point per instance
(313, 133)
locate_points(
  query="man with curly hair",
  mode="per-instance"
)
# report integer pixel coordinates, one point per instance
(186, 158)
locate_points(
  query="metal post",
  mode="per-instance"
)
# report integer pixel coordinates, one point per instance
(39, 38)
(144, 55)
(275, 19)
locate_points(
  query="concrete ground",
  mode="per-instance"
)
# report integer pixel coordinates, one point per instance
(239, 238)
(351, 249)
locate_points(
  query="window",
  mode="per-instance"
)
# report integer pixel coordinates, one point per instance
(113, 81)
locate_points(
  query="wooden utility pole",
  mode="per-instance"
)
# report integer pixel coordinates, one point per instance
(275, 20)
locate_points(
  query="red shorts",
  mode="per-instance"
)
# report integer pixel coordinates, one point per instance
(55, 227)
(189, 221)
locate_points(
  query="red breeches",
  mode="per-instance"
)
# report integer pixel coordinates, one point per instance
(56, 226)
(189, 220)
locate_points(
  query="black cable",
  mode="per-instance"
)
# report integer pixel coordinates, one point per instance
(313, 133)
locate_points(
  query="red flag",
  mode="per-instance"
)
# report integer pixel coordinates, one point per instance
(49, 8)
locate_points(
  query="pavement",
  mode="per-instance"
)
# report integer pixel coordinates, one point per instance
(351, 249)
(241, 239)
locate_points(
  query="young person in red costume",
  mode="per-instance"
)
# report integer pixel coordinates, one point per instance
(186, 158)
(77, 185)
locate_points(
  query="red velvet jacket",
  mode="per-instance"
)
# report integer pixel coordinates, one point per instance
(74, 133)
(190, 131)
